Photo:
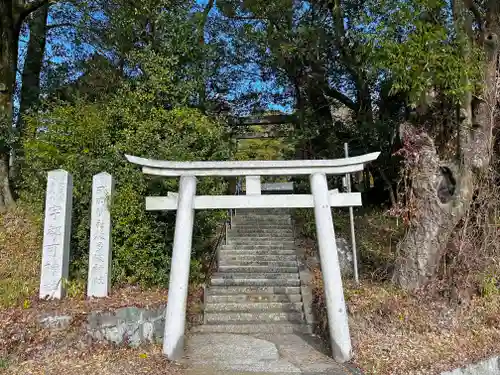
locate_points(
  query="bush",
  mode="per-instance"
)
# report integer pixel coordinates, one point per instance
(377, 236)
(88, 138)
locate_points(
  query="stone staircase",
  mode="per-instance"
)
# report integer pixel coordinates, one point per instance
(256, 288)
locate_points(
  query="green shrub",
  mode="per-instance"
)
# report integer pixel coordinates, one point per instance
(88, 138)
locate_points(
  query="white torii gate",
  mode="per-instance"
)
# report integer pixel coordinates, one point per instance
(186, 201)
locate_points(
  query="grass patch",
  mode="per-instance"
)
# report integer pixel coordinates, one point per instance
(395, 332)
(377, 235)
(20, 256)
(4, 363)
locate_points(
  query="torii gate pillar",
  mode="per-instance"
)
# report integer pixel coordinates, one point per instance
(330, 268)
(175, 316)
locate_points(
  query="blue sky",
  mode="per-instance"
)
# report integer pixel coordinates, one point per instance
(61, 49)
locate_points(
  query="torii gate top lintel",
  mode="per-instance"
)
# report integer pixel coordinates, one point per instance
(252, 167)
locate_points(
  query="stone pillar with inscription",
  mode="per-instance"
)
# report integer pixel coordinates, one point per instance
(56, 234)
(252, 184)
(99, 279)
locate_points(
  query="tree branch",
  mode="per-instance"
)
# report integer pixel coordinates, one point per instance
(26, 9)
(344, 99)
(338, 21)
(363, 98)
(58, 25)
(248, 18)
(206, 11)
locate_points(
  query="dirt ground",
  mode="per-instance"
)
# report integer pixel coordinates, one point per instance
(394, 333)
(27, 348)
(102, 361)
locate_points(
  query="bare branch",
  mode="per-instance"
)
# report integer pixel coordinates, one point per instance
(206, 11)
(344, 99)
(58, 25)
(248, 18)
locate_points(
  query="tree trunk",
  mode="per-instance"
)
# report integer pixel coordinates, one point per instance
(9, 34)
(440, 195)
(442, 190)
(30, 90)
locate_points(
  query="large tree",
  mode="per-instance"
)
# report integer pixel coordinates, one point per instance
(421, 75)
(12, 15)
(445, 169)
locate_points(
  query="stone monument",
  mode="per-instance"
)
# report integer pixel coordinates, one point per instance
(56, 234)
(99, 278)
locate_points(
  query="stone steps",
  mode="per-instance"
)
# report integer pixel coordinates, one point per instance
(253, 228)
(254, 282)
(256, 263)
(244, 298)
(239, 246)
(256, 232)
(242, 249)
(263, 211)
(265, 275)
(254, 307)
(250, 246)
(257, 269)
(254, 327)
(256, 288)
(264, 217)
(262, 317)
(256, 225)
(262, 242)
(263, 236)
(257, 241)
(255, 222)
(258, 256)
(252, 290)
(259, 235)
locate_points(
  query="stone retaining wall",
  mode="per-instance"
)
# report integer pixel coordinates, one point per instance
(487, 367)
(126, 325)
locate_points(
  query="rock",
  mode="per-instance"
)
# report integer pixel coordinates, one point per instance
(56, 322)
(128, 325)
(488, 367)
(345, 257)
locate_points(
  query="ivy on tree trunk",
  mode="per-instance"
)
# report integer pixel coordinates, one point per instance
(442, 188)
